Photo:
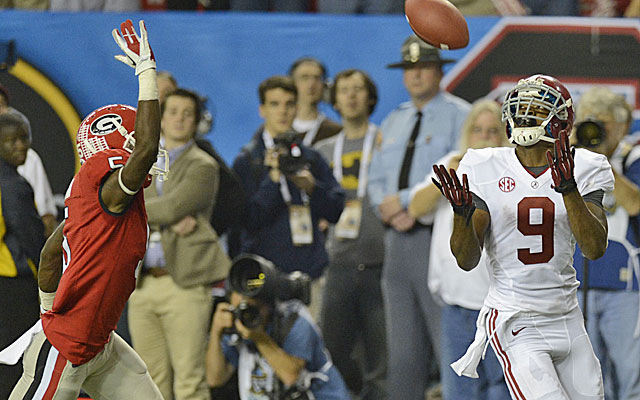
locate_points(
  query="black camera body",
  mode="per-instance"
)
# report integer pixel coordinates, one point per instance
(590, 133)
(247, 314)
(290, 157)
(255, 276)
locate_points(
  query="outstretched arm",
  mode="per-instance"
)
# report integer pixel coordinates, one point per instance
(467, 239)
(218, 369)
(469, 224)
(285, 366)
(50, 268)
(121, 186)
(588, 222)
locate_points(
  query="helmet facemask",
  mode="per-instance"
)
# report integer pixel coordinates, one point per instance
(160, 168)
(536, 111)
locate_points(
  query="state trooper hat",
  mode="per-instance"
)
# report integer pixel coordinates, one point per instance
(416, 51)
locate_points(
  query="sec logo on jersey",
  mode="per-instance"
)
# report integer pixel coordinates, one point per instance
(506, 184)
(105, 124)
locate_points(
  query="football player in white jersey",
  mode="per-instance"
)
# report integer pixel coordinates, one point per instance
(527, 208)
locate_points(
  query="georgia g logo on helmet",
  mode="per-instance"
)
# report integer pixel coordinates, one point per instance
(105, 124)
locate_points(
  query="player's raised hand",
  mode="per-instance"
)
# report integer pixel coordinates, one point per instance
(562, 165)
(457, 193)
(137, 52)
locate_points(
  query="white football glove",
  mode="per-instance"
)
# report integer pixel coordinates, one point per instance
(138, 53)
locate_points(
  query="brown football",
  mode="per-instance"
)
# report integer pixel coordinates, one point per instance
(437, 22)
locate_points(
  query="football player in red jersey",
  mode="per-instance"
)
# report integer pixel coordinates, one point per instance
(88, 266)
(527, 208)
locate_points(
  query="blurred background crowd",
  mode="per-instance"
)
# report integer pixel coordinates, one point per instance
(346, 202)
(595, 8)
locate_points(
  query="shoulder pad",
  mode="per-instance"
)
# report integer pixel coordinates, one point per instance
(478, 156)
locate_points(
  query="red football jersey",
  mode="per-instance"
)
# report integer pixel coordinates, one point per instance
(101, 253)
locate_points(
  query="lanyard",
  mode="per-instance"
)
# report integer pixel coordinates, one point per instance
(363, 174)
(308, 138)
(284, 188)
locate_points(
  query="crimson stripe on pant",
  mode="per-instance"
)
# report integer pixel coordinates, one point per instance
(55, 377)
(502, 355)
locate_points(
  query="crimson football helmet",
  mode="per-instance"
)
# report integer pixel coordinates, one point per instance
(537, 108)
(113, 127)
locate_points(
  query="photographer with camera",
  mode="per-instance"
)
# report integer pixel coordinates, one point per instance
(289, 189)
(266, 332)
(603, 120)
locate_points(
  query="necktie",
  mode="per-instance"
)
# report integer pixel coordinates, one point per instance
(403, 180)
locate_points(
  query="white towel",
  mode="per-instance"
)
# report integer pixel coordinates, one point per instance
(467, 364)
(11, 355)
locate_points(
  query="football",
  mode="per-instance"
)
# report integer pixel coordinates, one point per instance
(437, 22)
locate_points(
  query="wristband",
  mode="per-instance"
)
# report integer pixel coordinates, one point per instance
(147, 85)
(46, 300)
(123, 187)
(566, 186)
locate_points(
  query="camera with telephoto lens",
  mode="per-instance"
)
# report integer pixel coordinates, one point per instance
(290, 157)
(255, 276)
(590, 133)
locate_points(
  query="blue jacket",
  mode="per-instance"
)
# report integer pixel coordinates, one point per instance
(21, 229)
(266, 223)
(618, 269)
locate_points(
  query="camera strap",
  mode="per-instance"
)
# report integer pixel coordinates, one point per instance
(313, 132)
(269, 144)
(300, 221)
(348, 226)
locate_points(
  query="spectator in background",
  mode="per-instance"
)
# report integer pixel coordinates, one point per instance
(284, 205)
(269, 5)
(170, 309)
(352, 306)
(167, 83)
(33, 171)
(95, 5)
(361, 6)
(230, 199)
(21, 240)
(633, 9)
(476, 7)
(462, 293)
(414, 136)
(280, 354)
(25, 4)
(604, 8)
(544, 7)
(603, 119)
(527, 7)
(310, 75)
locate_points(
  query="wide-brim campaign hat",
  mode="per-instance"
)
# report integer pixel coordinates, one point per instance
(416, 51)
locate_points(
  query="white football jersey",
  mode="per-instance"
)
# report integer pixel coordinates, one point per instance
(529, 243)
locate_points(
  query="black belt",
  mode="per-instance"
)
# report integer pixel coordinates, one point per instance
(156, 272)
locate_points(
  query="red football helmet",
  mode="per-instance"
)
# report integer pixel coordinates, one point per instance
(108, 127)
(112, 127)
(537, 108)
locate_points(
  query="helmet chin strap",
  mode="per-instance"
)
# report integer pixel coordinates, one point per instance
(161, 167)
(528, 136)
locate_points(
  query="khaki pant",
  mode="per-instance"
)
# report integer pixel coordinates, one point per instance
(117, 372)
(169, 329)
(317, 293)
